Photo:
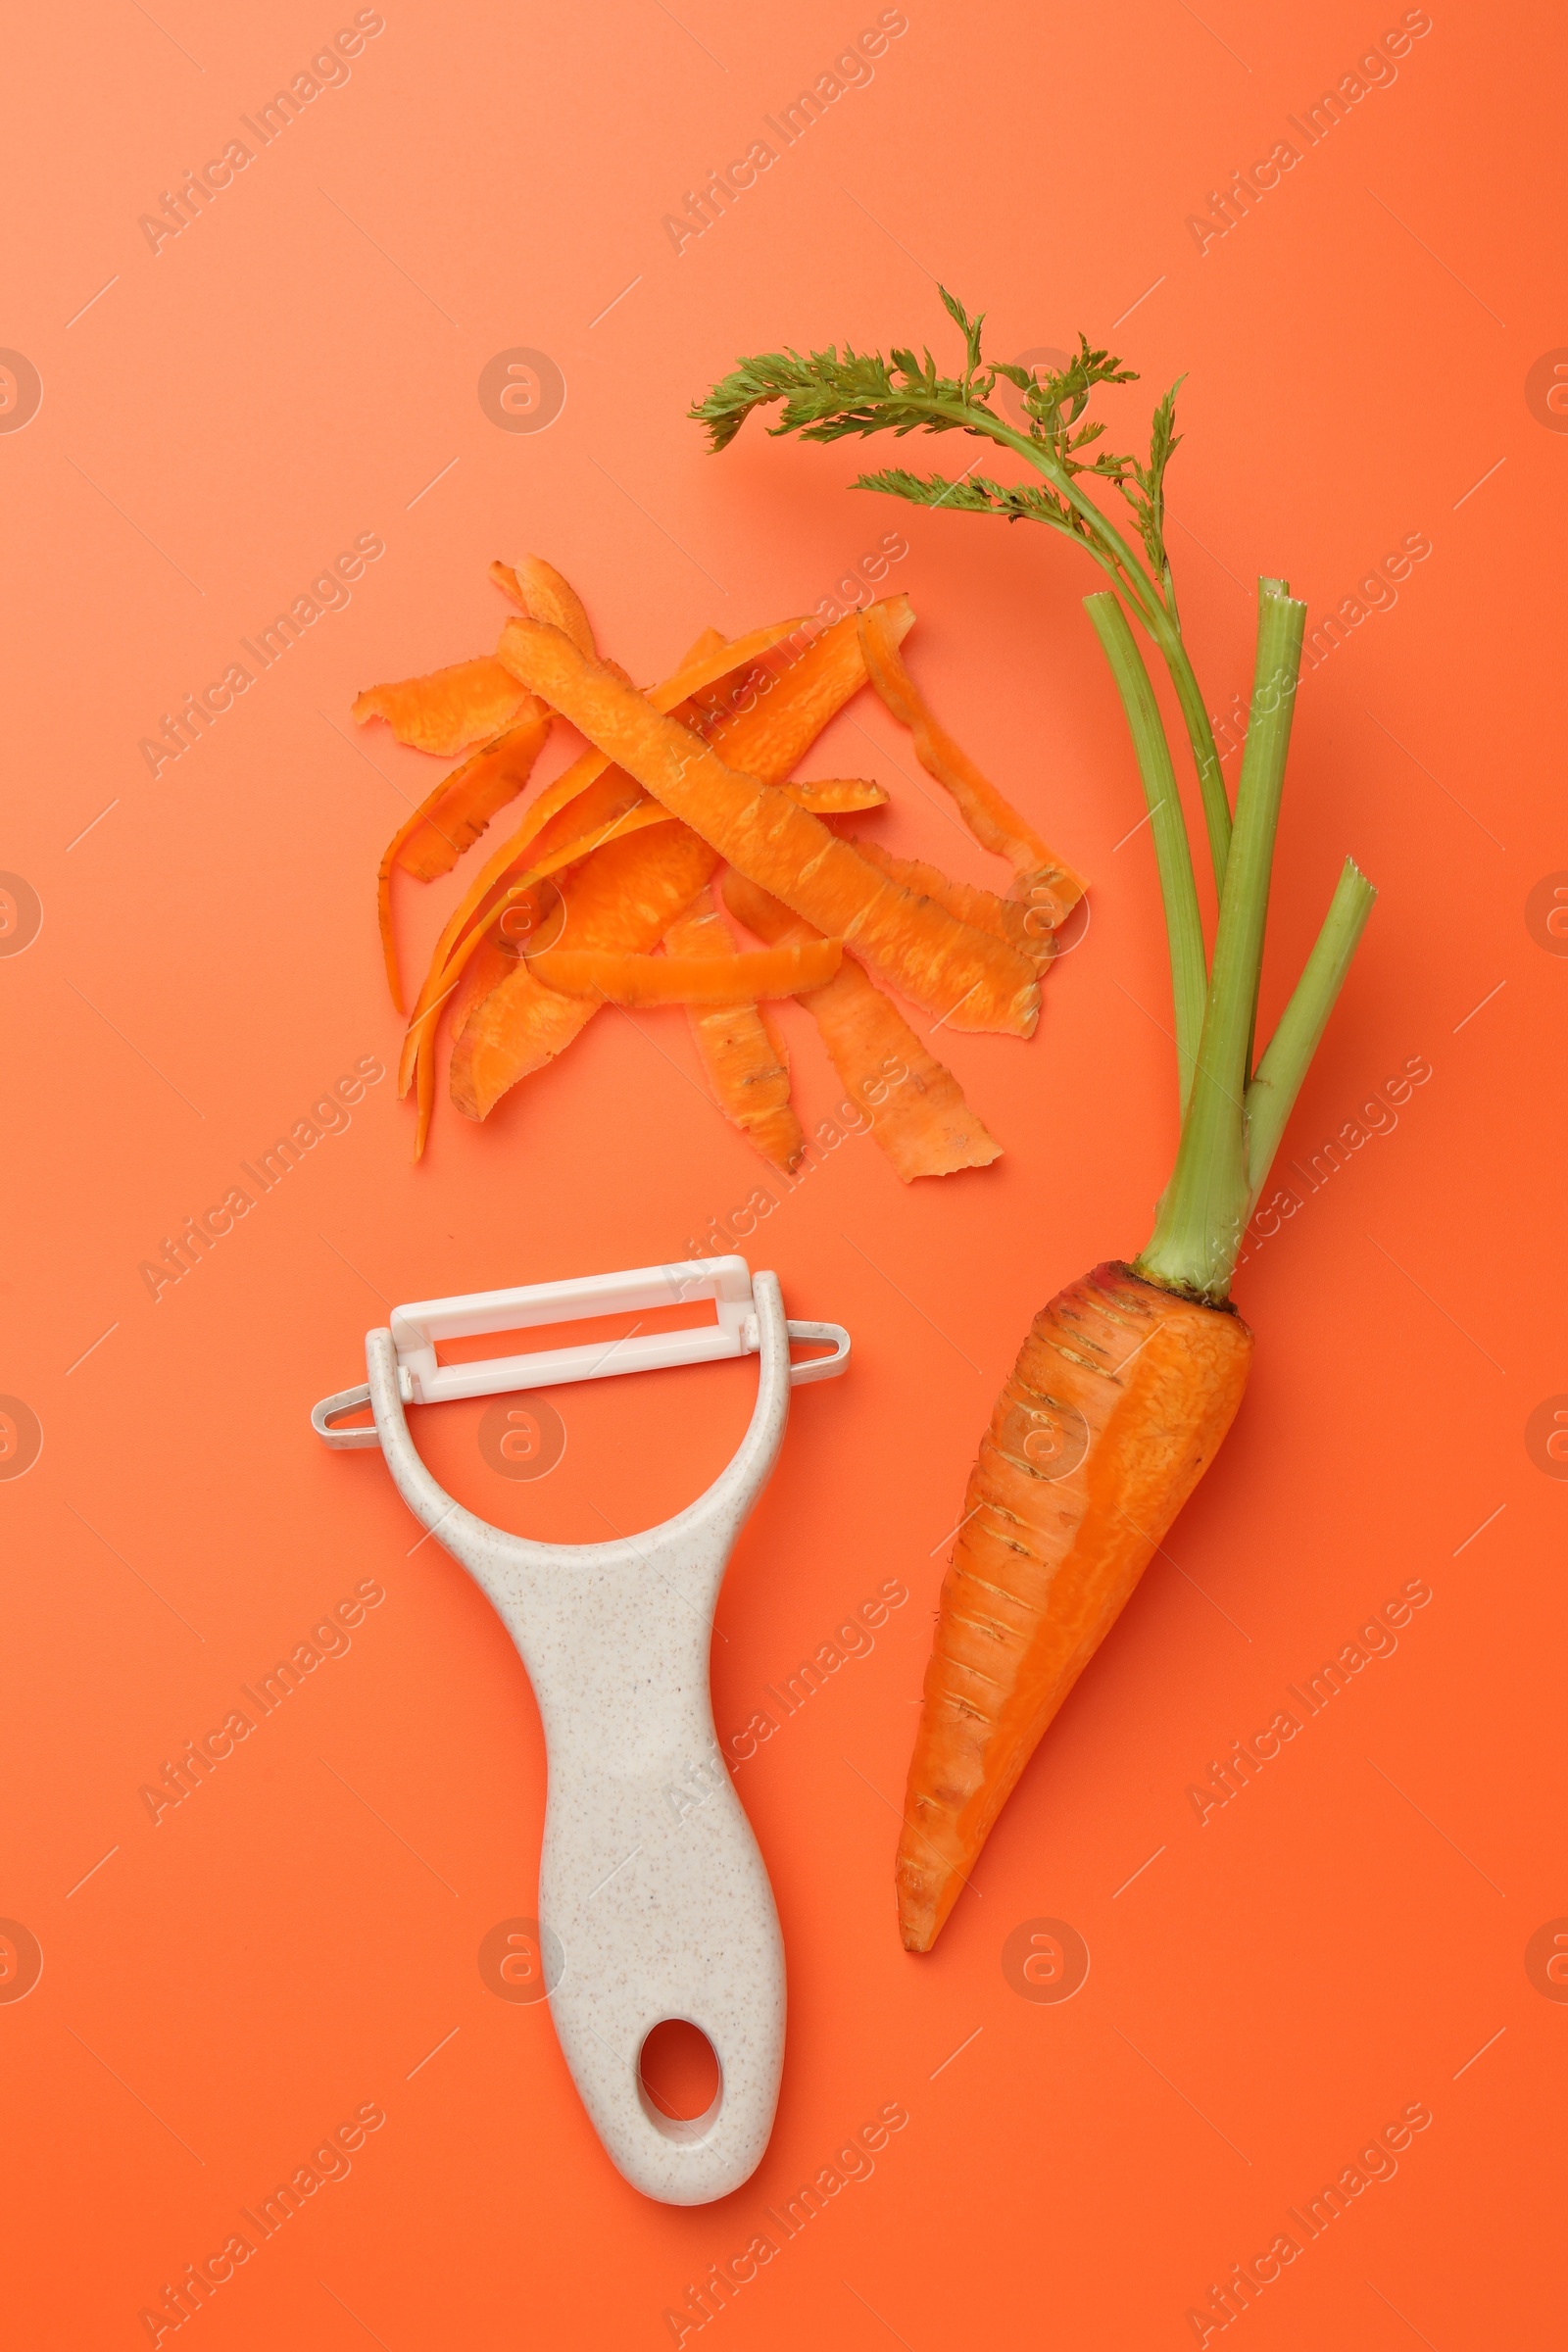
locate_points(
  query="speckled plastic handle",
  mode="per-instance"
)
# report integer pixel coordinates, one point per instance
(653, 1901)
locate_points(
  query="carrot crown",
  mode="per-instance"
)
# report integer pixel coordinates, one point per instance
(1234, 1108)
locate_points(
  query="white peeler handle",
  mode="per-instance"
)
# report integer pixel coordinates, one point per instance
(654, 1901)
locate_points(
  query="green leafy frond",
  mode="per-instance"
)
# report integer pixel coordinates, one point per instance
(969, 495)
(972, 493)
(1056, 398)
(827, 395)
(1143, 486)
(968, 327)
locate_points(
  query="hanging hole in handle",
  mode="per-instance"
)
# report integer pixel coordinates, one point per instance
(679, 2079)
(328, 1419)
(832, 1336)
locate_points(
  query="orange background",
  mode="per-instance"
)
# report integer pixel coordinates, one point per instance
(222, 1990)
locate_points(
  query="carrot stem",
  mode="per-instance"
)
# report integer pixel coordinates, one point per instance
(1159, 618)
(1110, 550)
(1201, 735)
(1198, 1232)
(1184, 928)
(1271, 1096)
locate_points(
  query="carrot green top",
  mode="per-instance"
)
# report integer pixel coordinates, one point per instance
(1234, 1108)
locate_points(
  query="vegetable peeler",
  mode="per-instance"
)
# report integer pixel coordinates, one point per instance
(654, 1901)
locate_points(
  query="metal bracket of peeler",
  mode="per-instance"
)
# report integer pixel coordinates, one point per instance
(654, 1901)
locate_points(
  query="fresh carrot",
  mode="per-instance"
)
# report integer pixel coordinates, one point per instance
(915, 1105)
(446, 711)
(739, 1045)
(1048, 884)
(1116, 1406)
(620, 976)
(965, 976)
(1129, 1379)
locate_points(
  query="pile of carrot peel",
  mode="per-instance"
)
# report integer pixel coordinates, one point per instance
(610, 889)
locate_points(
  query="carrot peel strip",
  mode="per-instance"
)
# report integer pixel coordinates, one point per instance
(450, 819)
(624, 896)
(520, 1024)
(915, 1105)
(535, 586)
(580, 825)
(1023, 926)
(966, 976)
(769, 735)
(619, 977)
(446, 710)
(835, 796)
(433, 837)
(996, 824)
(636, 819)
(739, 1048)
(693, 674)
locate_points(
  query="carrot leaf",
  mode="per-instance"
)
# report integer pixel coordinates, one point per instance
(828, 395)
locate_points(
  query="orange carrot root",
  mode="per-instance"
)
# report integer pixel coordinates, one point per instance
(619, 977)
(739, 1046)
(1048, 884)
(1117, 1404)
(965, 976)
(915, 1103)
